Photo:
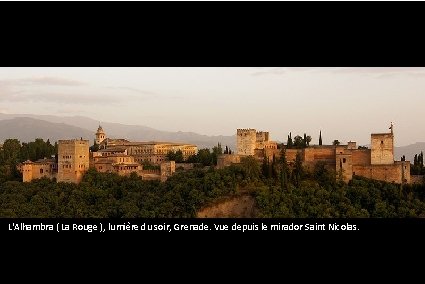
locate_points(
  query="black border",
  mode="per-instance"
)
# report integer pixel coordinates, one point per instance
(221, 34)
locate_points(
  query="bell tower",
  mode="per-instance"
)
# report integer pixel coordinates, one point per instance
(100, 135)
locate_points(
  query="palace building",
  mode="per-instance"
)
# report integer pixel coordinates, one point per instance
(114, 156)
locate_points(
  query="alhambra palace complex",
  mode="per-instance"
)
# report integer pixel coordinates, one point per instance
(124, 157)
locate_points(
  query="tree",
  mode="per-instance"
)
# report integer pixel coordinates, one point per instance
(298, 169)
(298, 142)
(336, 143)
(289, 144)
(283, 170)
(217, 150)
(403, 158)
(265, 168)
(251, 167)
(11, 150)
(175, 156)
(308, 140)
(205, 157)
(94, 147)
(320, 138)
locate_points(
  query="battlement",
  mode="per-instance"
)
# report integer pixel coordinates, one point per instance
(74, 142)
(245, 130)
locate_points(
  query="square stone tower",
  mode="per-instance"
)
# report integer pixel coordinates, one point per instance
(382, 149)
(246, 141)
(73, 160)
(262, 139)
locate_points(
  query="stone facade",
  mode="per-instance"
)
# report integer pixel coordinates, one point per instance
(114, 156)
(73, 160)
(246, 141)
(249, 140)
(227, 159)
(382, 146)
(38, 169)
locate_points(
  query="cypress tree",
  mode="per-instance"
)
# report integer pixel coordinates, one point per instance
(289, 143)
(320, 138)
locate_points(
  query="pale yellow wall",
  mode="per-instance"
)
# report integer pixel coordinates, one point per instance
(73, 160)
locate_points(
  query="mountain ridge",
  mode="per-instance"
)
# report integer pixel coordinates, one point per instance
(113, 130)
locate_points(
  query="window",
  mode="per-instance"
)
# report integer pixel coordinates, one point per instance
(344, 160)
(41, 171)
(382, 142)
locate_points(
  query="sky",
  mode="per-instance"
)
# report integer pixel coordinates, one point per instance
(344, 103)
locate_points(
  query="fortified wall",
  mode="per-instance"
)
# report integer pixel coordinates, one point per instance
(346, 160)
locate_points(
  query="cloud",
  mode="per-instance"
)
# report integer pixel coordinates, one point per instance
(42, 81)
(379, 71)
(58, 97)
(143, 92)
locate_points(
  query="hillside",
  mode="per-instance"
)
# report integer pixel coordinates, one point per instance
(116, 130)
(28, 129)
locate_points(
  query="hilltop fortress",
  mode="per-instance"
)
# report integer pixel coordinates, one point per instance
(113, 156)
(149, 159)
(375, 163)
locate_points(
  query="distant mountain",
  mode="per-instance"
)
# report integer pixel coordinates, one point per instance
(116, 130)
(27, 129)
(409, 151)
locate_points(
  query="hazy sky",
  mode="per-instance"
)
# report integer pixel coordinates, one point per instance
(345, 103)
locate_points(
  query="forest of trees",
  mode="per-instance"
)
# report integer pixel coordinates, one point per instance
(281, 189)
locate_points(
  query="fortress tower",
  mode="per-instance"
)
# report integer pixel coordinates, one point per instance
(100, 135)
(246, 141)
(73, 160)
(382, 148)
(262, 138)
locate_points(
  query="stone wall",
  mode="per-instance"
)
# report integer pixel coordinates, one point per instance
(382, 149)
(37, 170)
(167, 170)
(398, 172)
(226, 160)
(361, 157)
